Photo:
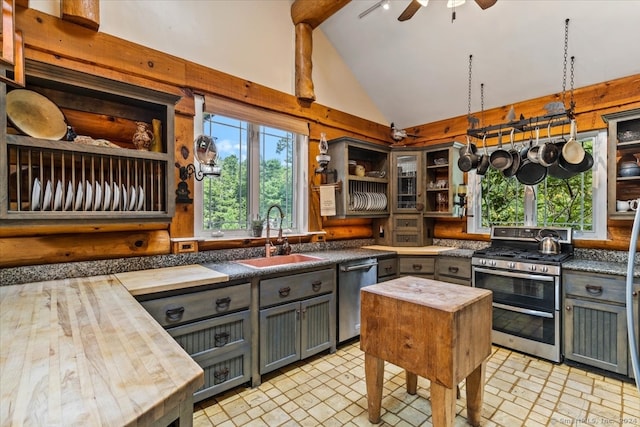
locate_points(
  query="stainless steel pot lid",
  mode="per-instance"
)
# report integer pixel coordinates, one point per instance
(35, 115)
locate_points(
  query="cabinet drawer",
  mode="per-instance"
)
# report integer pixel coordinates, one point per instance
(224, 372)
(454, 267)
(417, 265)
(593, 285)
(212, 335)
(297, 286)
(407, 223)
(408, 238)
(387, 267)
(197, 305)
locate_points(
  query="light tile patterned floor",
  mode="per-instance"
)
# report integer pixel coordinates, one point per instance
(329, 390)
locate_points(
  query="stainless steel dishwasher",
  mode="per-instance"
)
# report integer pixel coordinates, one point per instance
(352, 276)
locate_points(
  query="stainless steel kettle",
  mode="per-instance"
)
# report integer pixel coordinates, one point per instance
(549, 244)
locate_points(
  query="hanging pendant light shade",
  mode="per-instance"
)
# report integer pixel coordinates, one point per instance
(423, 3)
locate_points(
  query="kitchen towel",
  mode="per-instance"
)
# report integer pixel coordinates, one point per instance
(328, 200)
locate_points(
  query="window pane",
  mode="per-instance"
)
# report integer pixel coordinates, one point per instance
(277, 173)
(225, 203)
(558, 202)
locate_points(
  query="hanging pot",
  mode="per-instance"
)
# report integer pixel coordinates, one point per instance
(573, 152)
(556, 170)
(549, 243)
(583, 166)
(483, 163)
(548, 153)
(468, 158)
(532, 154)
(530, 173)
(500, 159)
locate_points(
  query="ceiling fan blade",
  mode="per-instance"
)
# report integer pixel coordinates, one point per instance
(410, 10)
(486, 4)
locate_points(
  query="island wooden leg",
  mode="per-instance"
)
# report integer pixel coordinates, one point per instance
(412, 382)
(374, 375)
(443, 405)
(475, 395)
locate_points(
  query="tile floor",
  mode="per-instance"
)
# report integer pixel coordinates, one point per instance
(329, 390)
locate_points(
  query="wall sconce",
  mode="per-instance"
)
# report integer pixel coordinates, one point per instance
(462, 202)
(323, 158)
(205, 153)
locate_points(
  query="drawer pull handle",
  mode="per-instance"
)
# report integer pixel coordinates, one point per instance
(223, 303)
(284, 292)
(593, 289)
(316, 286)
(174, 314)
(417, 267)
(453, 269)
(221, 375)
(221, 339)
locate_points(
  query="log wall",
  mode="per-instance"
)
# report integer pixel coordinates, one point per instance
(55, 41)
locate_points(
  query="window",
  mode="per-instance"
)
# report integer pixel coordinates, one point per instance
(578, 202)
(260, 166)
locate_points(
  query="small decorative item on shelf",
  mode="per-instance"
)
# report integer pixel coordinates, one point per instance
(256, 226)
(142, 137)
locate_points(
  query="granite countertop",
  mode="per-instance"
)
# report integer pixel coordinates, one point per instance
(604, 267)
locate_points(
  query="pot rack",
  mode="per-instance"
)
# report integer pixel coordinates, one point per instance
(523, 125)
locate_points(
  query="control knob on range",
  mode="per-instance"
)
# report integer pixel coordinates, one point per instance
(512, 264)
(532, 267)
(545, 269)
(493, 263)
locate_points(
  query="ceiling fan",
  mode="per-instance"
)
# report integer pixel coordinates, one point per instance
(417, 4)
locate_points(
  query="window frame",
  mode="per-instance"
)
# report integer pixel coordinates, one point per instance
(599, 171)
(300, 160)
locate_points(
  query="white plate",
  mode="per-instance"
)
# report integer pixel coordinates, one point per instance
(88, 189)
(106, 200)
(115, 206)
(69, 199)
(97, 201)
(46, 203)
(35, 195)
(132, 195)
(125, 199)
(140, 198)
(79, 194)
(57, 199)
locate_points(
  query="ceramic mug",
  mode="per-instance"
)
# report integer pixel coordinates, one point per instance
(633, 204)
(622, 205)
(359, 170)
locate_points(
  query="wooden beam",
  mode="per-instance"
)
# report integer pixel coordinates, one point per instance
(81, 12)
(304, 66)
(307, 15)
(315, 12)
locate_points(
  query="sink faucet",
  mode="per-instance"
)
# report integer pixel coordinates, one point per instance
(271, 249)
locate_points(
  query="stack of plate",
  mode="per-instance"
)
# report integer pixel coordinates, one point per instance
(367, 201)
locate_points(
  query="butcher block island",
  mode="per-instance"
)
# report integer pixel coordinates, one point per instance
(436, 330)
(84, 352)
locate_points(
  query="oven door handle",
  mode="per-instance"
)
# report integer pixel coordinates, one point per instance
(514, 274)
(524, 310)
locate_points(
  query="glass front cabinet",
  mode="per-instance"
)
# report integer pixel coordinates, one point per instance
(408, 181)
(623, 169)
(442, 176)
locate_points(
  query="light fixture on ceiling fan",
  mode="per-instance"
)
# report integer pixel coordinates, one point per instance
(384, 3)
(415, 5)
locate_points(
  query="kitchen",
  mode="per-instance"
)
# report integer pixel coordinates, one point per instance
(153, 244)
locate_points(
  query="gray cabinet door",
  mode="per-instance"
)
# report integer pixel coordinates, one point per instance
(596, 334)
(317, 325)
(279, 336)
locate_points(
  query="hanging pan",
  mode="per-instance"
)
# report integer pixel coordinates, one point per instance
(548, 153)
(468, 158)
(483, 163)
(500, 159)
(515, 160)
(530, 173)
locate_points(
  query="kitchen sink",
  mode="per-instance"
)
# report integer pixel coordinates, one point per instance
(274, 261)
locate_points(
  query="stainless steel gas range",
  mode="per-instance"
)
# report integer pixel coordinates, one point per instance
(526, 286)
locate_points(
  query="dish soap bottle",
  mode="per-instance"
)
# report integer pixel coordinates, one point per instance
(286, 247)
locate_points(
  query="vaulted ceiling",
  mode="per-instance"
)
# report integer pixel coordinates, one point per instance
(417, 71)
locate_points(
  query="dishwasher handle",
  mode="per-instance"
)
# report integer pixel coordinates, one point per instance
(367, 266)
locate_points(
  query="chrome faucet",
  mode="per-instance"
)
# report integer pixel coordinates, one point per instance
(271, 249)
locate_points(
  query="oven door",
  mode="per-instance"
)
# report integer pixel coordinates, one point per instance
(534, 292)
(525, 310)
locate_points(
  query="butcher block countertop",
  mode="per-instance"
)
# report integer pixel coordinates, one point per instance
(169, 278)
(84, 352)
(418, 250)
